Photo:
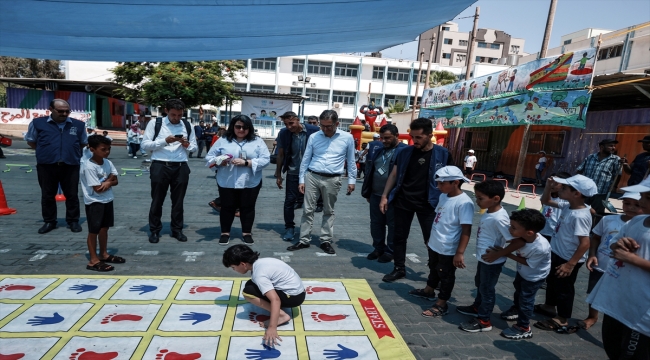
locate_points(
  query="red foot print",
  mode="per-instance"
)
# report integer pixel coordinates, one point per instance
(325, 317)
(12, 287)
(164, 354)
(82, 354)
(317, 289)
(257, 318)
(121, 317)
(12, 356)
(202, 289)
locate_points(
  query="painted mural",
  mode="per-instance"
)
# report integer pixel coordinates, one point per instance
(549, 91)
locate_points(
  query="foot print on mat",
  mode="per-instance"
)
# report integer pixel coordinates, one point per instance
(202, 289)
(257, 318)
(325, 317)
(82, 354)
(11, 356)
(164, 354)
(121, 317)
(12, 287)
(317, 289)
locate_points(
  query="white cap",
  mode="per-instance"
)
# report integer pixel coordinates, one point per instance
(585, 185)
(450, 173)
(643, 186)
(470, 151)
(375, 136)
(631, 195)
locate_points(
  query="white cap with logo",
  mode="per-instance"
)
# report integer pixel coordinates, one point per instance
(643, 186)
(583, 184)
(450, 173)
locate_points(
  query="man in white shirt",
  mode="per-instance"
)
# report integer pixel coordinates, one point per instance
(169, 169)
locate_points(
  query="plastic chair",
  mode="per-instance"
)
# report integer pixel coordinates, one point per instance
(528, 196)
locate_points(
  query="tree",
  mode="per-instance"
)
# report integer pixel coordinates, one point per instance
(558, 96)
(465, 112)
(194, 82)
(581, 102)
(393, 108)
(441, 77)
(30, 68)
(449, 113)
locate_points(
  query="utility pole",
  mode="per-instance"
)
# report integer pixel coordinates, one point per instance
(417, 85)
(433, 39)
(542, 53)
(470, 45)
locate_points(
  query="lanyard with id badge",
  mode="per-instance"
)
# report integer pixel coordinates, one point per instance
(387, 155)
(242, 152)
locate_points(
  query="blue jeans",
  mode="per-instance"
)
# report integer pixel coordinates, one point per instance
(291, 196)
(378, 224)
(486, 280)
(524, 298)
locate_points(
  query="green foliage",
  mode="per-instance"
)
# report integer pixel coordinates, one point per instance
(581, 102)
(465, 112)
(558, 96)
(441, 77)
(394, 108)
(194, 82)
(449, 113)
(30, 68)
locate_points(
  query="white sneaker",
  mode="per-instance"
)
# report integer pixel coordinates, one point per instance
(135, 157)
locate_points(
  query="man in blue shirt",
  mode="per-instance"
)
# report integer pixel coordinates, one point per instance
(58, 140)
(200, 139)
(320, 173)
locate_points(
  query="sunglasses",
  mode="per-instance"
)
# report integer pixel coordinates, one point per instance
(241, 127)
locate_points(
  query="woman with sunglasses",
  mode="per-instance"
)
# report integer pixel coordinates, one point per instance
(240, 178)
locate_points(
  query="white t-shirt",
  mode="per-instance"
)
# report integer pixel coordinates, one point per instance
(538, 257)
(91, 175)
(493, 231)
(273, 274)
(451, 213)
(607, 229)
(541, 163)
(470, 160)
(86, 154)
(570, 225)
(551, 214)
(624, 290)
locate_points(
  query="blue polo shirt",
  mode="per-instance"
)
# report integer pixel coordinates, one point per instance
(57, 142)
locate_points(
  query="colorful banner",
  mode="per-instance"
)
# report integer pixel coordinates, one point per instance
(263, 108)
(547, 91)
(25, 116)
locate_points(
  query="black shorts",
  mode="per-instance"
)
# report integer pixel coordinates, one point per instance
(285, 300)
(594, 276)
(99, 216)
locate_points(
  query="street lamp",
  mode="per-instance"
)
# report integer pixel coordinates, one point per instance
(304, 80)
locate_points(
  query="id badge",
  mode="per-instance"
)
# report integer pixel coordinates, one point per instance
(242, 155)
(381, 171)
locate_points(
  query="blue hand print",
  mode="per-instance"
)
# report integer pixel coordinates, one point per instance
(197, 317)
(344, 353)
(267, 353)
(44, 320)
(82, 288)
(143, 288)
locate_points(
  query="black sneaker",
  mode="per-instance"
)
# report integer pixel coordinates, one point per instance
(467, 310)
(510, 314)
(476, 325)
(395, 275)
(224, 239)
(248, 239)
(516, 332)
(374, 255)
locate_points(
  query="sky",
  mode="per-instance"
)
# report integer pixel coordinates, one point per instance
(527, 19)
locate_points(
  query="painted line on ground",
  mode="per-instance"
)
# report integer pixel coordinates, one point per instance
(190, 256)
(324, 254)
(146, 252)
(363, 254)
(413, 257)
(2, 251)
(41, 254)
(286, 259)
(282, 253)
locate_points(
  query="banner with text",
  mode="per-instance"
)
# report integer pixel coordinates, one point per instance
(25, 116)
(263, 108)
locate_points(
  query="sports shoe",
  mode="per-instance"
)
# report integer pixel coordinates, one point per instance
(289, 234)
(395, 275)
(135, 157)
(476, 325)
(467, 310)
(510, 314)
(385, 258)
(374, 255)
(516, 332)
(248, 239)
(224, 239)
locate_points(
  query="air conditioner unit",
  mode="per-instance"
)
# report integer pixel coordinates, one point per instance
(295, 83)
(338, 105)
(313, 84)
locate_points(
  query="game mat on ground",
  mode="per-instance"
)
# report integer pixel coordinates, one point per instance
(158, 318)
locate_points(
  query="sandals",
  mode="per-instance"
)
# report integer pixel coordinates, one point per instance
(435, 311)
(100, 267)
(540, 310)
(567, 329)
(214, 206)
(113, 259)
(552, 325)
(422, 294)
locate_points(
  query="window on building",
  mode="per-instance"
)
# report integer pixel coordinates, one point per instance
(348, 70)
(423, 76)
(567, 42)
(551, 142)
(298, 66)
(316, 95)
(461, 57)
(319, 67)
(377, 72)
(270, 89)
(463, 42)
(376, 98)
(495, 46)
(477, 140)
(445, 28)
(482, 44)
(344, 97)
(448, 41)
(394, 99)
(514, 49)
(224, 116)
(610, 52)
(446, 55)
(296, 91)
(267, 64)
(344, 123)
(396, 74)
(480, 59)
(240, 87)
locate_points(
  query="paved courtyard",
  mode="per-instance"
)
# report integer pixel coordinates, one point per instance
(24, 252)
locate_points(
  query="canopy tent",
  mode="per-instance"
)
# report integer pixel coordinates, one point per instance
(184, 30)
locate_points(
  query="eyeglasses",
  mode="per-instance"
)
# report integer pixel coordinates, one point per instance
(241, 127)
(327, 126)
(68, 111)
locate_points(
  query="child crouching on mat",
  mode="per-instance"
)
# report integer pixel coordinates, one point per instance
(273, 285)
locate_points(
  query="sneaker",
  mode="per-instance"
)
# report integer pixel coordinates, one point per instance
(248, 239)
(510, 314)
(374, 255)
(224, 239)
(135, 157)
(145, 155)
(395, 275)
(516, 332)
(288, 234)
(385, 258)
(476, 325)
(468, 310)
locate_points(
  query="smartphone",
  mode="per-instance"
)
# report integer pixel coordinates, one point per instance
(179, 136)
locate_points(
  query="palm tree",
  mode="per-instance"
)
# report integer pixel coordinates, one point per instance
(441, 77)
(394, 108)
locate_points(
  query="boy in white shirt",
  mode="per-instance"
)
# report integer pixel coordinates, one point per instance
(470, 163)
(492, 231)
(98, 176)
(569, 249)
(450, 233)
(601, 239)
(552, 214)
(273, 285)
(623, 293)
(539, 167)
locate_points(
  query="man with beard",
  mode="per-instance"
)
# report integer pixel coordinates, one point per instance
(602, 167)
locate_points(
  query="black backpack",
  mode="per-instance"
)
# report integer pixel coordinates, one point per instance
(159, 125)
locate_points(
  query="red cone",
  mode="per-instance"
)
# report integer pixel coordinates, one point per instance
(4, 210)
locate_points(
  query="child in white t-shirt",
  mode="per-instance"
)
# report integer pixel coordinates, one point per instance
(623, 293)
(601, 239)
(540, 166)
(450, 233)
(470, 163)
(569, 249)
(273, 285)
(492, 231)
(552, 214)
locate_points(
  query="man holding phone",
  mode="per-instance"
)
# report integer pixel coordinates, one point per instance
(169, 142)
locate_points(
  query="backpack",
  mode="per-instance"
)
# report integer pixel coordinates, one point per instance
(188, 128)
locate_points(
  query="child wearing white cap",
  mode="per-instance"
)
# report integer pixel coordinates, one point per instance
(470, 163)
(568, 249)
(623, 293)
(599, 251)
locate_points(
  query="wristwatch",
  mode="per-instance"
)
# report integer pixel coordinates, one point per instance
(246, 163)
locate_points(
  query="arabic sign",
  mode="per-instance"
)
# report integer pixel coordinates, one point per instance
(25, 116)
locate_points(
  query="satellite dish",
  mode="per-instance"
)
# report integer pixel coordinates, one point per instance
(88, 88)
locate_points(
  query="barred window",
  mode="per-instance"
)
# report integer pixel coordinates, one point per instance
(551, 142)
(267, 64)
(298, 66)
(463, 42)
(345, 97)
(319, 67)
(477, 140)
